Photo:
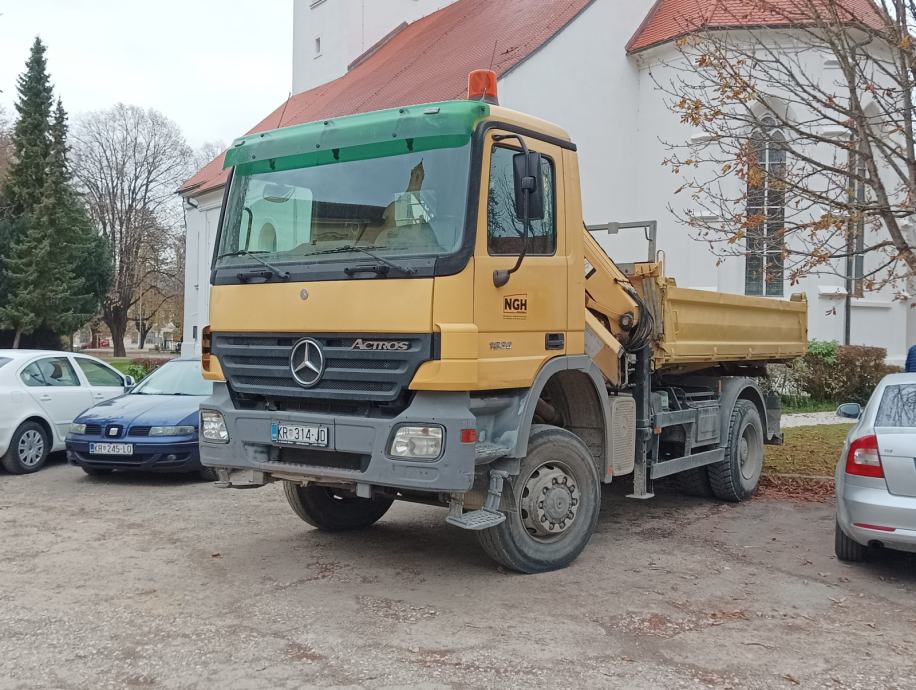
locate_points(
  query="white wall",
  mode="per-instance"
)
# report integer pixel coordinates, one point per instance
(347, 29)
(202, 224)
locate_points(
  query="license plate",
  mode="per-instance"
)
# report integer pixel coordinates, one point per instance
(299, 434)
(111, 448)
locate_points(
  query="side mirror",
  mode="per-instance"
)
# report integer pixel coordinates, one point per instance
(528, 184)
(849, 410)
(129, 381)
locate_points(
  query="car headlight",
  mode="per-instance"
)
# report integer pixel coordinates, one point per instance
(422, 442)
(77, 428)
(171, 430)
(213, 427)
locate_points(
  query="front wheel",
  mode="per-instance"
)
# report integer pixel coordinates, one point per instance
(334, 510)
(555, 497)
(28, 449)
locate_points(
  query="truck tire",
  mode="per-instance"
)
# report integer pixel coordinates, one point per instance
(695, 482)
(28, 449)
(846, 549)
(541, 535)
(334, 510)
(735, 479)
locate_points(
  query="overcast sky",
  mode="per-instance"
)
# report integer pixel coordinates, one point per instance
(216, 67)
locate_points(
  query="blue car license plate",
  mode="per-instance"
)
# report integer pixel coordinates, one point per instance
(299, 434)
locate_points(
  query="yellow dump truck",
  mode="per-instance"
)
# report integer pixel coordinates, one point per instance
(406, 305)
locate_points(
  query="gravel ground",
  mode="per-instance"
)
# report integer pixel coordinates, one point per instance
(162, 582)
(813, 419)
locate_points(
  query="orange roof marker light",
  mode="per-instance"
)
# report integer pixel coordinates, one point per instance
(482, 86)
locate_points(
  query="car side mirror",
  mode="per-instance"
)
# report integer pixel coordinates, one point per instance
(129, 381)
(529, 186)
(849, 410)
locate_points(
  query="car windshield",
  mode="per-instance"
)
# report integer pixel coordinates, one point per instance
(4, 360)
(175, 378)
(898, 406)
(401, 206)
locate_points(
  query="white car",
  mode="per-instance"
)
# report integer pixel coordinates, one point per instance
(41, 391)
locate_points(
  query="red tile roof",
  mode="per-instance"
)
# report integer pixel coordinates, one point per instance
(428, 60)
(671, 19)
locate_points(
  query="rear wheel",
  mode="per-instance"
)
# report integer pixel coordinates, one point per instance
(28, 449)
(555, 497)
(695, 482)
(334, 510)
(846, 549)
(735, 478)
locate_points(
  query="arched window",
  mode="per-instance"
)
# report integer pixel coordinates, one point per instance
(766, 212)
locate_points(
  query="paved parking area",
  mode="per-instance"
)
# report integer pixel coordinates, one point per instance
(140, 582)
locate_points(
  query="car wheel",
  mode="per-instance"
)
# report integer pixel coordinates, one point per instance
(28, 450)
(846, 549)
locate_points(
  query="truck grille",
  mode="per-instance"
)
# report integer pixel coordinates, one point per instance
(259, 365)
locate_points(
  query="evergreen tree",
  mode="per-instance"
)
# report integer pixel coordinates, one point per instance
(56, 266)
(31, 136)
(31, 143)
(83, 249)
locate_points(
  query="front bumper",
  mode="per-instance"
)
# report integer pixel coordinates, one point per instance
(866, 501)
(147, 457)
(357, 449)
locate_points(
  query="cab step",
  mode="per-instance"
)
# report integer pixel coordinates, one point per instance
(485, 518)
(477, 519)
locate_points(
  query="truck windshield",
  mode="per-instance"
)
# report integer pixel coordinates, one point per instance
(398, 207)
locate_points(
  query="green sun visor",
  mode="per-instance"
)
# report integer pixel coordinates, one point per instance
(356, 137)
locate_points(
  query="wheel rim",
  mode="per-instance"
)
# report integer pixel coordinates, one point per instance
(550, 501)
(750, 453)
(31, 447)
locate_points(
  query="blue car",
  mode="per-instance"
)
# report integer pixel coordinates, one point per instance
(153, 428)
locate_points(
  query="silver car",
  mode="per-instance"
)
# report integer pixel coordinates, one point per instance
(876, 474)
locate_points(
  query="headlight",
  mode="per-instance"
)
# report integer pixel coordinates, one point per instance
(213, 427)
(77, 428)
(423, 442)
(171, 430)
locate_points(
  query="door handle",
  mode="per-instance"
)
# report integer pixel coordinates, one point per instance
(45, 398)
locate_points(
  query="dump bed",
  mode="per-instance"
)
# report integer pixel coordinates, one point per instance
(699, 326)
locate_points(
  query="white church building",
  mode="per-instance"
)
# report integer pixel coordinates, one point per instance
(583, 64)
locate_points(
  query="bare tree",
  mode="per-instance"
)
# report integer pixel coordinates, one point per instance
(207, 151)
(803, 157)
(129, 162)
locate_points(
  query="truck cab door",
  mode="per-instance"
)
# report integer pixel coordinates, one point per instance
(523, 323)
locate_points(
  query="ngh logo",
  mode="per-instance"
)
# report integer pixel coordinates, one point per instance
(515, 306)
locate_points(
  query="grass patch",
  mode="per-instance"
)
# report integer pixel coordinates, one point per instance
(796, 406)
(120, 363)
(808, 450)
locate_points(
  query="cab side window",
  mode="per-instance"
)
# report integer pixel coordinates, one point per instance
(51, 371)
(99, 375)
(504, 228)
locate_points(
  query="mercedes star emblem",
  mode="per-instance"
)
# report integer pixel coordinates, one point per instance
(306, 361)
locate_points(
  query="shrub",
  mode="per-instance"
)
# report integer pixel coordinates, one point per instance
(849, 376)
(830, 373)
(142, 367)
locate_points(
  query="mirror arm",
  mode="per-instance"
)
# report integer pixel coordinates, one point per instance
(501, 276)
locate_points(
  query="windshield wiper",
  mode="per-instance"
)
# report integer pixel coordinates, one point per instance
(274, 271)
(359, 269)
